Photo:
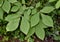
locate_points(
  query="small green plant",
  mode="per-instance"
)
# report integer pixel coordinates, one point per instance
(28, 17)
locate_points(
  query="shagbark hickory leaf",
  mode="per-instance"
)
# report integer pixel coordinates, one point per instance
(6, 6)
(57, 4)
(13, 25)
(1, 13)
(47, 20)
(12, 1)
(1, 2)
(15, 8)
(24, 27)
(12, 17)
(35, 19)
(40, 33)
(47, 9)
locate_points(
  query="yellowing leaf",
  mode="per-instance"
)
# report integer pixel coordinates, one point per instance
(47, 9)
(35, 19)
(6, 6)
(47, 20)
(24, 27)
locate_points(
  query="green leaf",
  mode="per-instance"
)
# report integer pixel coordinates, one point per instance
(12, 25)
(52, 0)
(31, 32)
(27, 14)
(57, 4)
(23, 1)
(40, 33)
(35, 19)
(22, 9)
(47, 9)
(17, 3)
(30, 39)
(1, 13)
(6, 6)
(47, 20)
(12, 1)
(12, 17)
(31, 7)
(42, 25)
(1, 2)
(14, 9)
(38, 4)
(24, 27)
(28, 11)
(56, 37)
(34, 11)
